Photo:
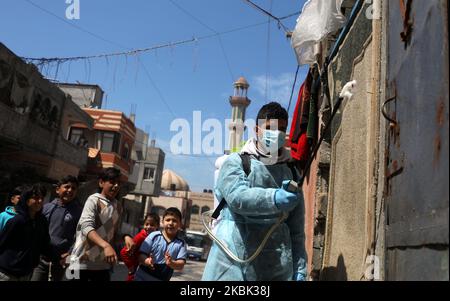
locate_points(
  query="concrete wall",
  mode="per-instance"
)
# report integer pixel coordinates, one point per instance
(348, 179)
(316, 185)
(132, 217)
(201, 200)
(138, 153)
(85, 96)
(34, 116)
(182, 204)
(28, 102)
(155, 159)
(141, 200)
(349, 192)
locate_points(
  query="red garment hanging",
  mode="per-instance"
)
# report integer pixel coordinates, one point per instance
(297, 136)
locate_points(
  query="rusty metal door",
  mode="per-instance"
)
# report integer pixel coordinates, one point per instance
(417, 150)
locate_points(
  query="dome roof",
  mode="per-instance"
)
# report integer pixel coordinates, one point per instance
(172, 181)
(242, 82)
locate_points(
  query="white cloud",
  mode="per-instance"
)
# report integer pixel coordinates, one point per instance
(278, 87)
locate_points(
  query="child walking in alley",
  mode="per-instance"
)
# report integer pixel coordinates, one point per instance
(162, 252)
(25, 237)
(130, 257)
(93, 255)
(62, 215)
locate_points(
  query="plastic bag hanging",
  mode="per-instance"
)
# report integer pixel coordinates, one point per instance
(318, 19)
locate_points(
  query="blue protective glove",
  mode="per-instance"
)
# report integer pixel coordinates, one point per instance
(285, 200)
(298, 277)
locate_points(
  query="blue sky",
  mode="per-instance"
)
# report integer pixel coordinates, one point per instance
(176, 80)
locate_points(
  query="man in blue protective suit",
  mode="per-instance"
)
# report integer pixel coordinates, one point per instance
(255, 202)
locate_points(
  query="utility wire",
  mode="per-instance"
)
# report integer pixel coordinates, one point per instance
(73, 24)
(40, 61)
(210, 29)
(291, 15)
(136, 51)
(192, 16)
(141, 50)
(130, 52)
(58, 61)
(152, 82)
(293, 87)
(43, 61)
(268, 58)
(47, 61)
(259, 8)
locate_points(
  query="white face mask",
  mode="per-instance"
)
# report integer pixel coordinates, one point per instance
(272, 141)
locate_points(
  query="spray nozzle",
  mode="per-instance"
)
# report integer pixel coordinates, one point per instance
(290, 186)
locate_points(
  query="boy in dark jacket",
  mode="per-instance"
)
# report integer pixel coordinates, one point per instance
(24, 237)
(62, 215)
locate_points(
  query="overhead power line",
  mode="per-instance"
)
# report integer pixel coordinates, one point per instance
(210, 29)
(130, 52)
(73, 24)
(138, 51)
(290, 16)
(135, 52)
(259, 8)
(40, 62)
(44, 60)
(293, 87)
(268, 57)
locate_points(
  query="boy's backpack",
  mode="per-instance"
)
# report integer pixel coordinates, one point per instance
(246, 166)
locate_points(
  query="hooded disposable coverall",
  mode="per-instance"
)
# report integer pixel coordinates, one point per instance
(246, 219)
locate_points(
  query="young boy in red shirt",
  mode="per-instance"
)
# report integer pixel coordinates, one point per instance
(130, 257)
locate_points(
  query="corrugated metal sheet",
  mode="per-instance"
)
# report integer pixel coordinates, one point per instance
(417, 172)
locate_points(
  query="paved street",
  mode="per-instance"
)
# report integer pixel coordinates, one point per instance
(193, 271)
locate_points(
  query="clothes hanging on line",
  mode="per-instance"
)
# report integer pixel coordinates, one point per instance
(305, 120)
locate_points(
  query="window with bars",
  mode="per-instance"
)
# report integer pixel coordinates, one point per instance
(125, 151)
(149, 173)
(108, 142)
(195, 209)
(75, 135)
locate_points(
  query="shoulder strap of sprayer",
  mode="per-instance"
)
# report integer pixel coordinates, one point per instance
(246, 166)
